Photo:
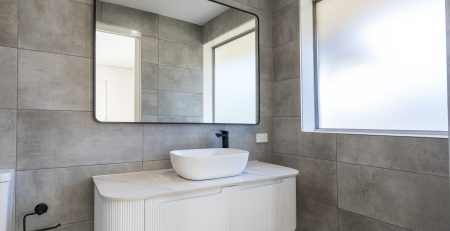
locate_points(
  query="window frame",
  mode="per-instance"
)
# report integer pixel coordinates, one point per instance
(309, 86)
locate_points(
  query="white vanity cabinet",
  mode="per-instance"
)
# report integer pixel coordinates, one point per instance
(260, 199)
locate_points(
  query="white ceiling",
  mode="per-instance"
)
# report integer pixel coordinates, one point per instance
(194, 11)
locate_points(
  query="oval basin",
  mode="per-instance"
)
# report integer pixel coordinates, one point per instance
(211, 163)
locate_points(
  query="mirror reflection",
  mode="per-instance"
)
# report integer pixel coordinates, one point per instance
(175, 61)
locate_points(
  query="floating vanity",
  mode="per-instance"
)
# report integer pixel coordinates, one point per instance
(262, 198)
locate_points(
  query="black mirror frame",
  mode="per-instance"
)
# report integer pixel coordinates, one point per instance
(258, 70)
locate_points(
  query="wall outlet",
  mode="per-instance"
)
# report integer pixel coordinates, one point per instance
(262, 138)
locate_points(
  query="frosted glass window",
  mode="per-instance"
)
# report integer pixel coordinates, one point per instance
(234, 80)
(381, 64)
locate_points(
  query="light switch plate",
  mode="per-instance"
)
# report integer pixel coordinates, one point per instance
(262, 138)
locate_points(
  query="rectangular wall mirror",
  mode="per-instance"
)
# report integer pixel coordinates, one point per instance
(175, 61)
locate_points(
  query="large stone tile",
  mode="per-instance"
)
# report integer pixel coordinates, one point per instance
(59, 26)
(266, 64)
(160, 139)
(180, 55)
(265, 29)
(8, 23)
(409, 200)
(180, 79)
(150, 73)
(286, 98)
(286, 24)
(69, 193)
(349, 221)
(142, 21)
(172, 103)
(265, 5)
(149, 102)
(285, 134)
(289, 140)
(265, 102)
(156, 165)
(286, 61)
(317, 178)
(180, 31)
(7, 138)
(278, 4)
(422, 155)
(8, 77)
(48, 139)
(316, 216)
(54, 82)
(149, 50)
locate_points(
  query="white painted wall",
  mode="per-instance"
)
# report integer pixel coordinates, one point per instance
(235, 82)
(116, 77)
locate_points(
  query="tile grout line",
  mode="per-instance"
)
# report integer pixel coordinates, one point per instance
(51, 110)
(79, 166)
(54, 53)
(17, 113)
(371, 218)
(362, 165)
(397, 170)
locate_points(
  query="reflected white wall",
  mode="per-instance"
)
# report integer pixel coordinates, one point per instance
(115, 77)
(234, 81)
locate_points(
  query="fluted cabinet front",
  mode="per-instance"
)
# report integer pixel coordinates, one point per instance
(262, 206)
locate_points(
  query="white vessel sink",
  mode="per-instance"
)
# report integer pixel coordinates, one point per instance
(203, 164)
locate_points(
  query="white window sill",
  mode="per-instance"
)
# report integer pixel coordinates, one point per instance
(418, 134)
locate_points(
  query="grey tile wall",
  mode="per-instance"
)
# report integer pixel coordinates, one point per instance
(7, 138)
(180, 55)
(172, 63)
(285, 24)
(176, 30)
(150, 76)
(180, 79)
(159, 140)
(149, 50)
(173, 103)
(48, 139)
(8, 77)
(8, 23)
(63, 27)
(353, 221)
(316, 216)
(422, 155)
(352, 182)
(68, 77)
(68, 192)
(409, 200)
(142, 21)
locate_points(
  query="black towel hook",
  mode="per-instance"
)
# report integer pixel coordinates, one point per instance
(39, 210)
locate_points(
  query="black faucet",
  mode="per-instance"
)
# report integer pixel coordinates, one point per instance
(224, 135)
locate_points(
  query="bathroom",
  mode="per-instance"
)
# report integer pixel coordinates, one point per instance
(57, 136)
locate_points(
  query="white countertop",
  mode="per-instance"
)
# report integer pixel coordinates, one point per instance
(153, 184)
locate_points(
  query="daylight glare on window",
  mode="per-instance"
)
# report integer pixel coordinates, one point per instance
(381, 64)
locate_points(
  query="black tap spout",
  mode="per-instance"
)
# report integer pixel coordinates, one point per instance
(224, 135)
